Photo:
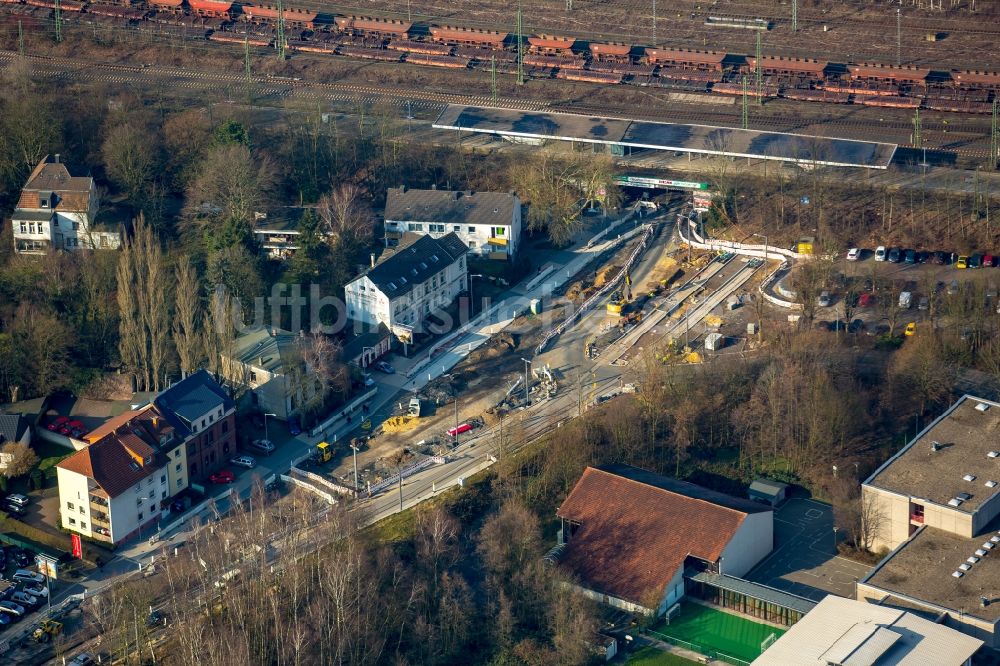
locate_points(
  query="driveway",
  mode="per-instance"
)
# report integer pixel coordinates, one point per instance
(804, 561)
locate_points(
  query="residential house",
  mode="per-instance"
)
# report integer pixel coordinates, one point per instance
(844, 631)
(278, 233)
(489, 223)
(203, 416)
(632, 538)
(14, 429)
(363, 344)
(113, 488)
(149, 423)
(57, 211)
(267, 360)
(423, 275)
(936, 504)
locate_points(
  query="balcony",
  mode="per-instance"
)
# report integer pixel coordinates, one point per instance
(99, 517)
(97, 500)
(498, 240)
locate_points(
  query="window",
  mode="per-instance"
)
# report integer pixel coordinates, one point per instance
(437, 228)
(178, 483)
(499, 231)
(163, 478)
(472, 230)
(83, 526)
(82, 510)
(138, 501)
(917, 513)
(225, 427)
(211, 418)
(220, 412)
(415, 226)
(472, 244)
(253, 376)
(456, 229)
(76, 226)
(152, 494)
(163, 495)
(203, 423)
(149, 481)
(140, 515)
(225, 448)
(177, 468)
(72, 521)
(24, 227)
(69, 505)
(31, 227)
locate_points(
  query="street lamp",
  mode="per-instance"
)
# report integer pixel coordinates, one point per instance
(764, 236)
(472, 303)
(526, 364)
(266, 414)
(354, 450)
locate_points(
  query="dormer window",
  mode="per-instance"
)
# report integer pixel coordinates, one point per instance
(148, 460)
(43, 203)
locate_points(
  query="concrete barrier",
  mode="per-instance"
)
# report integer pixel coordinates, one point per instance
(310, 487)
(316, 478)
(695, 240)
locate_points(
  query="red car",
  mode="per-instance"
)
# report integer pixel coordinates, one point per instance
(72, 428)
(989, 260)
(58, 423)
(866, 300)
(458, 430)
(223, 476)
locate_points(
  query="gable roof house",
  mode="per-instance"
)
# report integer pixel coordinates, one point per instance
(57, 211)
(422, 275)
(14, 429)
(489, 223)
(267, 361)
(628, 536)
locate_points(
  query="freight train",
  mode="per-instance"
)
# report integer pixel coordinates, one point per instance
(544, 56)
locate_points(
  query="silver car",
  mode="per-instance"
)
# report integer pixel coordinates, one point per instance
(24, 599)
(244, 461)
(12, 608)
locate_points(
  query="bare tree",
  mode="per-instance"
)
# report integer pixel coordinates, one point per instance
(129, 155)
(344, 215)
(187, 316)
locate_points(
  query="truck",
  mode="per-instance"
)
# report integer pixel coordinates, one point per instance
(323, 453)
(414, 408)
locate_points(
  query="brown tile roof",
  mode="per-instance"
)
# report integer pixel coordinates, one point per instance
(109, 463)
(637, 528)
(143, 418)
(52, 176)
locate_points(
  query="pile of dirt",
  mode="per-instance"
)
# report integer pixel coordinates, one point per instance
(605, 274)
(498, 345)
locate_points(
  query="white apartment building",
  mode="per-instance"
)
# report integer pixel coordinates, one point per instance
(422, 275)
(57, 211)
(489, 223)
(112, 488)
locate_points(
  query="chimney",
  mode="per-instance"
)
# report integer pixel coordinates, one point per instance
(373, 259)
(57, 158)
(156, 421)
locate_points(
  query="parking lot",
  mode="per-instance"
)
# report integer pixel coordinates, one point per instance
(804, 560)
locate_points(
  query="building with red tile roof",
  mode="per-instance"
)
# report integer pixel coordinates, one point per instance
(628, 536)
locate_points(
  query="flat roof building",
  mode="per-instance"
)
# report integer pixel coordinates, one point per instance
(936, 503)
(844, 631)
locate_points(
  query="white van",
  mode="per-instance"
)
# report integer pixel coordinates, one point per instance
(905, 300)
(880, 253)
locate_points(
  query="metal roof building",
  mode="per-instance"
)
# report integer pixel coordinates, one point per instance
(536, 126)
(855, 633)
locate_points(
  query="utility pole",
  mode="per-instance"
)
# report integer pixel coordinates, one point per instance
(58, 15)
(246, 63)
(759, 74)
(520, 50)
(917, 139)
(493, 78)
(994, 137)
(281, 30)
(795, 15)
(526, 385)
(654, 22)
(458, 435)
(746, 111)
(899, 37)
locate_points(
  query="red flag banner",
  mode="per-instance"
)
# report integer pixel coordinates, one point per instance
(77, 546)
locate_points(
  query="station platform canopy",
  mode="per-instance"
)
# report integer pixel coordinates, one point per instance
(641, 134)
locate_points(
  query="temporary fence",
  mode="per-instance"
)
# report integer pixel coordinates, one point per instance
(709, 652)
(405, 472)
(601, 293)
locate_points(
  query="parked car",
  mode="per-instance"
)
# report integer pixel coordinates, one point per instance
(940, 258)
(953, 287)
(924, 303)
(25, 576)
(976, 261)
(905, 299)
(23, 558)
(17, 498)
(382, 366)
(880, 253)
(24, 599)
(923, 256)
(853, 254)
(459, 429)
(15, 509)
(369, 380)
(82, 659)
(895, 255)
(222, 476)
(293, 426)
(59, 422)
(16, 610)
(963, 261)
(244, 461)
(824, 299)
(37, 590)
(263, 445)
(910, 256)
(4, 619)
(989, 261)
(856, 326)
(866, 301)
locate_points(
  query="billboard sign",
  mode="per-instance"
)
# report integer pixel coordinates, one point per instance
(656, 183)
(47, 567)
